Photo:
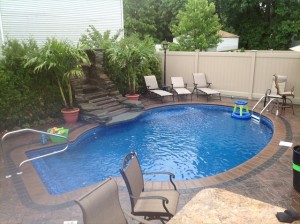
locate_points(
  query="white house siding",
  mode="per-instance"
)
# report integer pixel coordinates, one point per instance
(64, 19)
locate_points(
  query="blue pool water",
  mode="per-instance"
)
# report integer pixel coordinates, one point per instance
(192, 141)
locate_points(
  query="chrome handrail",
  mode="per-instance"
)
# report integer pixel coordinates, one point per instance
(40, 132)
(266, 106)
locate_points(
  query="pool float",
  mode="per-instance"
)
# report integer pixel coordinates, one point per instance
(244, 116)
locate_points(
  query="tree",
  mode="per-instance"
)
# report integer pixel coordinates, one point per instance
(167, 11)
(197, 28)
(151, 17)
(261, 24)
(139, 18)
(285, 24)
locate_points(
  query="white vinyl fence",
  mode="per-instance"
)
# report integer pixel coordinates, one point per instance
(240, 74)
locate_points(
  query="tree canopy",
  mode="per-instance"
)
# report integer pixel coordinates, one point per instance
(198, 26)
(151, 17)
(261, 24)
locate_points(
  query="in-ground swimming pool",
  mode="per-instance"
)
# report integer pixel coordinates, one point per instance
(192, 141)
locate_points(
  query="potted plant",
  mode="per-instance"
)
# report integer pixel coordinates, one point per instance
(63, 61)
(132, 57)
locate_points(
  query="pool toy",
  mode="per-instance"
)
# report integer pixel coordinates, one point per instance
(243, 112)
(58, 131)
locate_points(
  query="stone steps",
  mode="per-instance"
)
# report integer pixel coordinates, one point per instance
(98, 97)
(102, 100)
(117, 107)
(118, 112)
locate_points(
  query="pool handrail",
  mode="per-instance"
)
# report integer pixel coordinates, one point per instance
(265, 107)
(35, 131)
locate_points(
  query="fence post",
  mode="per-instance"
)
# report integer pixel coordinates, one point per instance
(252, 74)
(196, 66)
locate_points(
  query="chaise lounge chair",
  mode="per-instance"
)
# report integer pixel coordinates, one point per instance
(102, 205)
(200, 84)
(179, 86)
(152, 87)
(158, 204)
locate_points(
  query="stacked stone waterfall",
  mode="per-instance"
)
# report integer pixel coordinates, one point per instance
(97, 96)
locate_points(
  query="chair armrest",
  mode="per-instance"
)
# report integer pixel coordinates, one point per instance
(162, 172)
(208, 84)
(185, 85)
(195, 86)
(268, 92)
(171, 176)
(136, 218)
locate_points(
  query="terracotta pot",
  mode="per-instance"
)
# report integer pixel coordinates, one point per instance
(132, 97)
(70, 116)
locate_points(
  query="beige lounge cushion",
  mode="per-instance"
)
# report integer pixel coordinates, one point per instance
(151, 82)
(161, 92)
(208, 91)
(155, 205)
(200, 80)
(287, 94)
(281, 80)
(274, 96)
(177, 82)
(182, 91)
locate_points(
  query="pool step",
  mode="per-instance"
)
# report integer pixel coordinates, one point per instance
(255, 117)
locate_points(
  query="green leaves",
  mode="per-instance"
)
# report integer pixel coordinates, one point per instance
(131, 59)
(94, 39)
(261, 24)
(197, 28)
(62, 60)
(25, 96)
(151, 17)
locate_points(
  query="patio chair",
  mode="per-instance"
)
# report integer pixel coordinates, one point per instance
(152, 87)
(201, 85)
(179, 86)
(272, 92)
(102, 205)
(158, 204)
(284, 94)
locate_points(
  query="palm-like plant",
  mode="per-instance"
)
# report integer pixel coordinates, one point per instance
(62, 60)
(133, 57)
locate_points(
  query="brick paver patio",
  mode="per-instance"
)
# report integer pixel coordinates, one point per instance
(267, 177)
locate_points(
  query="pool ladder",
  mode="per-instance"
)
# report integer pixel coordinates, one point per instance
(265, 106)
(37, 157)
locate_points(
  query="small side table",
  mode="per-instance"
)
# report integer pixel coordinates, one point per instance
(166, 88)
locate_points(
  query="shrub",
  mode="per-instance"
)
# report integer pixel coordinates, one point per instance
(25, 97)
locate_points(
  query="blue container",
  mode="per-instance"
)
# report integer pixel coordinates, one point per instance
(43, 139)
